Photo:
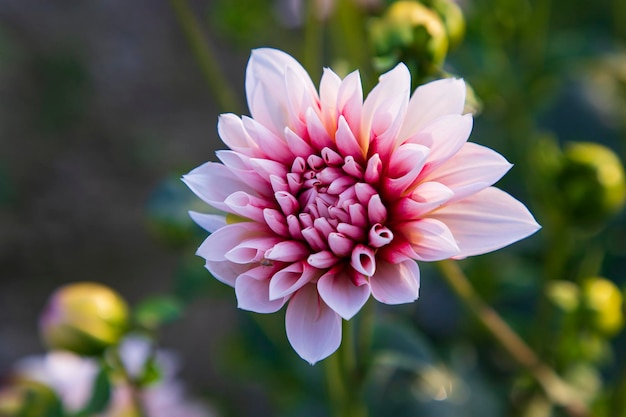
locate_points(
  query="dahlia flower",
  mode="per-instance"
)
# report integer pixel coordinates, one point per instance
(329, 199)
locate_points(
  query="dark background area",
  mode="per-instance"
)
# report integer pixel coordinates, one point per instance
(101, 103)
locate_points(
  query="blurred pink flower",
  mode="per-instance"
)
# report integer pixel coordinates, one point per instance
(335, 198)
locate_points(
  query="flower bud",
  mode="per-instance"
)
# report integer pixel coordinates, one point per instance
(24, 398)
(453, 20)
(84, 318)
(564, 295)
(411, 32)
(603, 300)
(591, 183)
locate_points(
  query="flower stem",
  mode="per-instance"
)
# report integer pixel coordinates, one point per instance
(350, 44)
(557, 390)
(135, 390)
(202, 50)
(345, 381)
(313, 39)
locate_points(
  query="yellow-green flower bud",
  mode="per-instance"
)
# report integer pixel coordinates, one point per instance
(28, 399)
(592, 183)
(453, 20)
(411, 32)
(563, 294)
(84, 318)
(603, 300)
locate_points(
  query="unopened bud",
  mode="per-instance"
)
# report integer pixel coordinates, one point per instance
(563, 294)
(25, 398)
(411, 32)
(604, 302)
(84, 318)
(591, 183)
(453, 20)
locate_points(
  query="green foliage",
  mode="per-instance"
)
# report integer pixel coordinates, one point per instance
(157, 311)
(100, 395)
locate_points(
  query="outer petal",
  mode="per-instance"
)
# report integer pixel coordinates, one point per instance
(215, 247)
(269, 74)
(291, 278)
(472, 169)
(213, 183)
(426, 197)
(231, 130)
(430, 239)
(396, 283)
(242, 166)
(313, 328)
(445, 137)
(486, 221)
(384, 110)
(405, 166)
(253, 292)
(350, 101)
(329, 88)
(431, 101)
(209, 222)
(341, 294)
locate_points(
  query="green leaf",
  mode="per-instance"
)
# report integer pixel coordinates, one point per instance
(157, 311)
(37, 400)
(100, 395)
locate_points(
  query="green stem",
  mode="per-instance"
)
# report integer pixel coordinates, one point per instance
(365, 333)
(335, 383)
(345, 382)
(202, 50)
(557, 390)
(135, 390)
(313, 40)
(351, 41)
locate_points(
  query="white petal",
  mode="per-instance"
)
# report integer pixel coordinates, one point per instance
(487, 221)
(384, 109)
(253, 295)
(470, 170)
(445, 137)
(329, 88)
(231, 131)
(350, 101)
(430, 239)
(341, 294)
(269, 99)
(396, 283)
(226, 271)
(242, 166)
(226, 238)
(291, 278)
(431, 101)
(213, 183)
(215, 247)
(209, 222)
(426, 197)
(313, 328)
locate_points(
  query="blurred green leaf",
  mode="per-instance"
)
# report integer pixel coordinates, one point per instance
(157, 311)
(100, 395)
(35, 400)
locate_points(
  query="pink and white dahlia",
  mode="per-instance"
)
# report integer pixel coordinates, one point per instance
(330, 199)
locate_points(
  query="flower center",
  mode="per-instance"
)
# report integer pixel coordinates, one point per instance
(328, 201)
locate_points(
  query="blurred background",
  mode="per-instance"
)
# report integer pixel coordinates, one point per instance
(103, 106)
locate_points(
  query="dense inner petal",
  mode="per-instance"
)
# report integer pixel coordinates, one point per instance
(325, 202)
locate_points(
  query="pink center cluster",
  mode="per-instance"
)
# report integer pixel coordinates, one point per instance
(336, 197)
(327, 203)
